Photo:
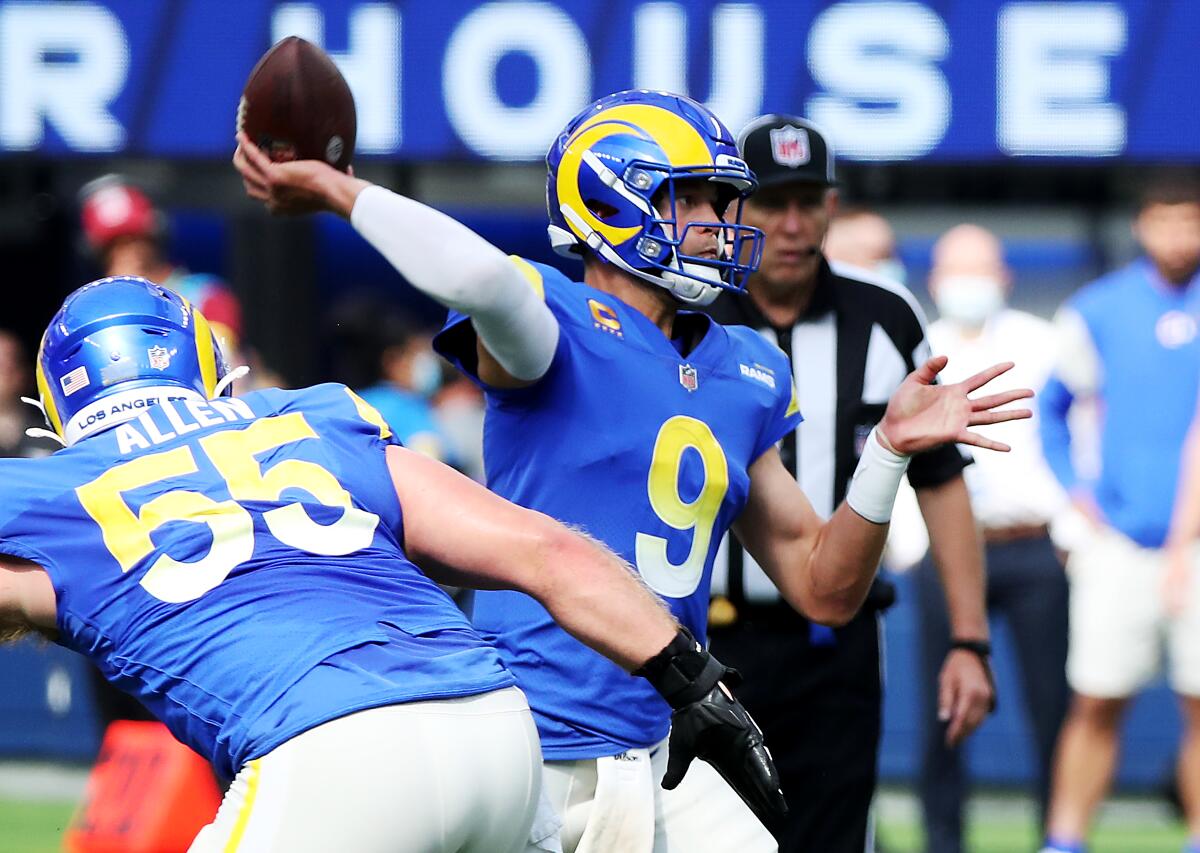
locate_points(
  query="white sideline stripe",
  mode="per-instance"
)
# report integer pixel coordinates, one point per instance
(42, 781)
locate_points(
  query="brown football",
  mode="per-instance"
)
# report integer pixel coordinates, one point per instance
(297, 106)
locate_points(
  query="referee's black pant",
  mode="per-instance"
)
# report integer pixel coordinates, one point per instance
(1027, 586)
(818, 700)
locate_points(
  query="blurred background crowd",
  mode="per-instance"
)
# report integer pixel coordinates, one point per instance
(994, 157)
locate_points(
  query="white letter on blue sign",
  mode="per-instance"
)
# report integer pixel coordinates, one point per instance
(885, 96)
(545, 34)
(1053, 87)
(660, 38)
(371, 66)
(61, 65)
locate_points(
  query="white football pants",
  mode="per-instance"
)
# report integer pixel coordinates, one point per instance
(617, 805)
(445, 776)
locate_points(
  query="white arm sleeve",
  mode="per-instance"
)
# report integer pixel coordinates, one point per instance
(450, 263)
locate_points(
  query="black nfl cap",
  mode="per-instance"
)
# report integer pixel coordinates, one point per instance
(782, 149)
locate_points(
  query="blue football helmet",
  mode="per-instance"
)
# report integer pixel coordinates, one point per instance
(625, 152)
(118, 345)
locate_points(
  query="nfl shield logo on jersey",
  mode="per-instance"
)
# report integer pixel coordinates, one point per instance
(789, 146)
(160, 358)
(687, 377)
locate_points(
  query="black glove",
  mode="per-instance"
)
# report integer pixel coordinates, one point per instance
(709, 723)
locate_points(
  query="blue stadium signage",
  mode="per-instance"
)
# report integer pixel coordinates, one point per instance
(982, 80)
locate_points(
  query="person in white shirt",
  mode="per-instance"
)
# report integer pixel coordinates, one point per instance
(1014, 500)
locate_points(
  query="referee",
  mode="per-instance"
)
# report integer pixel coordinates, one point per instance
(816, 691)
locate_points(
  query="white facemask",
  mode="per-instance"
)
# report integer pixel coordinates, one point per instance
(969, 299)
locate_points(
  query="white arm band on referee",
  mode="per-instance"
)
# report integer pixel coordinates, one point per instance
(452, 264)
(873, 487)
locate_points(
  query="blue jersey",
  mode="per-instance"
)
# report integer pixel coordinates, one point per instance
(643, 448)
(236, 565)
(1131, 341)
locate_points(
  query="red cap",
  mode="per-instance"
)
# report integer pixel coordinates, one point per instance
(112, 209)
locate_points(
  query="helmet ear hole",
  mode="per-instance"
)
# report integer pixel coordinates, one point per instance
(600, 209)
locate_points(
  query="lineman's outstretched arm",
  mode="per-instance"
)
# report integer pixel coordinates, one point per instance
(461, 533)
(438, 255)
(825, 570)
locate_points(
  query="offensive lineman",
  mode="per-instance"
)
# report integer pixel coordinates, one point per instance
(242, 566)
(652, 428)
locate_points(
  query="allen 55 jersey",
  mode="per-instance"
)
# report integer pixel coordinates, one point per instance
(641, 443)
(168, 536)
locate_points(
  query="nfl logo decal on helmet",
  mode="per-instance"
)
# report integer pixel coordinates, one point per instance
(159, 357)
(118, 345)
(615, 165)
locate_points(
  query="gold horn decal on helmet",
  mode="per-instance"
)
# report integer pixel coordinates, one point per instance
(568, 184)
(43, 387)
(682, 144)
(206, 355)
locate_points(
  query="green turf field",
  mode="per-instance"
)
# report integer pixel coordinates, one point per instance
(1003, 822)
(1012, 837)
(36, 827)
(33, 827)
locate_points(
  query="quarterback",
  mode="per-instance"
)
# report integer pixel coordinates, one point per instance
(614, 409)
(246, 567)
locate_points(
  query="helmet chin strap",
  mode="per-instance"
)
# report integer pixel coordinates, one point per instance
(229, 378)
(41, 432)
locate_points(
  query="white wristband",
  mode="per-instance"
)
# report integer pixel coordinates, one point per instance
(873, 487)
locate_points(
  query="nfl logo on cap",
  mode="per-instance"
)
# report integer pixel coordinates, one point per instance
(687, 377)
(789, 146)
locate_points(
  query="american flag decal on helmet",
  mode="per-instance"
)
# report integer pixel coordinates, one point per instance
(75, 380)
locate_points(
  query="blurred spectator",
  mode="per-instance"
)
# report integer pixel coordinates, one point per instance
(128, 236)
(1183, 560)
(459, 407)
(1014, 497)
(864, 239)
(383, 355)
(15, 416)
(1129, 339)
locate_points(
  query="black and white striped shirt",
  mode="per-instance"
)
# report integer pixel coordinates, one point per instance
(853, 346)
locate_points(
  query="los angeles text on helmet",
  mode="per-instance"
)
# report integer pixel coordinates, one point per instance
(182, 413)
(886, 79)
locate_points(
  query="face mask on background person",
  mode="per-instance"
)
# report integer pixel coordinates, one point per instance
(426, 374)
(892, 269)
(969, 299)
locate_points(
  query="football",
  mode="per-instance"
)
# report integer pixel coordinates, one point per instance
(297, 106)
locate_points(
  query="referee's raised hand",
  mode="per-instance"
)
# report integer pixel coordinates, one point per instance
(922, 414)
